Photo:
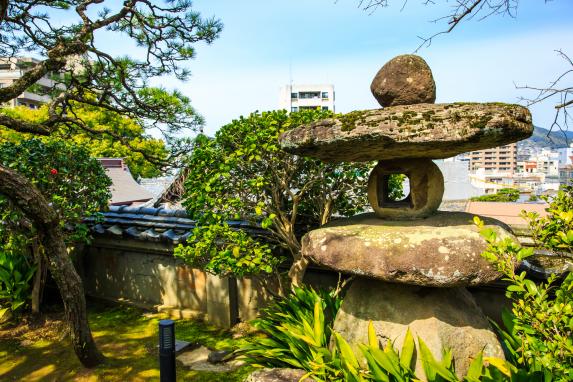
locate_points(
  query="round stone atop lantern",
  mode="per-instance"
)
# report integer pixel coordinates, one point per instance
(404, 80)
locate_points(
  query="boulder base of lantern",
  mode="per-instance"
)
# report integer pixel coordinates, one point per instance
(445, 318)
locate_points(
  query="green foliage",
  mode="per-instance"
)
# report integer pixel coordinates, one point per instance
(502, 195)
(15, 276)
(103, 145)
(297, 330)
(389, 365)
(74, 183)
(555, 231)
(297, 333)
(222, 250)
(242, 174)
(538, 332)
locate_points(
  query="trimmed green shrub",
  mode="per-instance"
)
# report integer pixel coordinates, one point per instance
(502, 195)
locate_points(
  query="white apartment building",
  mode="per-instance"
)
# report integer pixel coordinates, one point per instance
(13, 68)
(457, 182)
(299, 97)
(566, 155)
(489, 182)
(544, 162)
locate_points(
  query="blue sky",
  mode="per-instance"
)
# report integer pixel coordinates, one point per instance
(323, 41)
(327, 41)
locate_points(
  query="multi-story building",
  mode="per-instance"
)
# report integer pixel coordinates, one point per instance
(299, 97)
(501, 159)
(566, 155)
(489, 182)
(11, 69)
(566, 174)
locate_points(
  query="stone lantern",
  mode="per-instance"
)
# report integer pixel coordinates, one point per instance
(412, 262)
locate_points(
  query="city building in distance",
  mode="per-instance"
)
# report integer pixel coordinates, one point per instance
(11, 69)
(300, 97)
(495, 159)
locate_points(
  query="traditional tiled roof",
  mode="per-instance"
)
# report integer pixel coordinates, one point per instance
(153, 224)
(124, 189)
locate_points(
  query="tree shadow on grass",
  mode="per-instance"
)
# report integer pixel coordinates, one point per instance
(126, 336)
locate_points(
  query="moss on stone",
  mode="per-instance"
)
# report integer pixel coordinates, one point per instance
(427, 115)
(481, 122)
(349, 120)
(455, 116)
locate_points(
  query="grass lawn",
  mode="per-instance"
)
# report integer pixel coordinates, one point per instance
(40, 351)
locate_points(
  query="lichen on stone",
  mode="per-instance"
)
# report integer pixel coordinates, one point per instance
(349, 120)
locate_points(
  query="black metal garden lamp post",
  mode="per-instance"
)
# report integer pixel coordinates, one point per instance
(167, 351)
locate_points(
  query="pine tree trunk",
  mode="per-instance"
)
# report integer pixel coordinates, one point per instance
(39, 278)
(47, 223)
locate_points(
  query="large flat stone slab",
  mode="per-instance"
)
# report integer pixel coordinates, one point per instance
(442, 317)
(198, 359)
(431, 131)
(440, 251)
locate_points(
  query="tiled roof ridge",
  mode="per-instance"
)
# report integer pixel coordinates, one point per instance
(148, 211)
(155, 224)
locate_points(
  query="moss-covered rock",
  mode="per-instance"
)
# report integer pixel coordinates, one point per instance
(432, 131)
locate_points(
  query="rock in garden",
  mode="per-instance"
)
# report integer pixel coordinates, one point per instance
(198, 360)
(278, 375)
(404, 80)
(442, 317)
(414, 131)
(218, 356)
(440, 251)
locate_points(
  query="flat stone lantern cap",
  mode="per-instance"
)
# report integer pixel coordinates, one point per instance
(432, 131)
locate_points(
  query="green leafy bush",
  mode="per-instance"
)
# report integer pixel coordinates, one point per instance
(389, 365)
(297, 333)
(15, 289)
(297, 330)
(243, 174)
(555, 231)
(538, 331)
(67, 176)
(75, 185)
(502, 195)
